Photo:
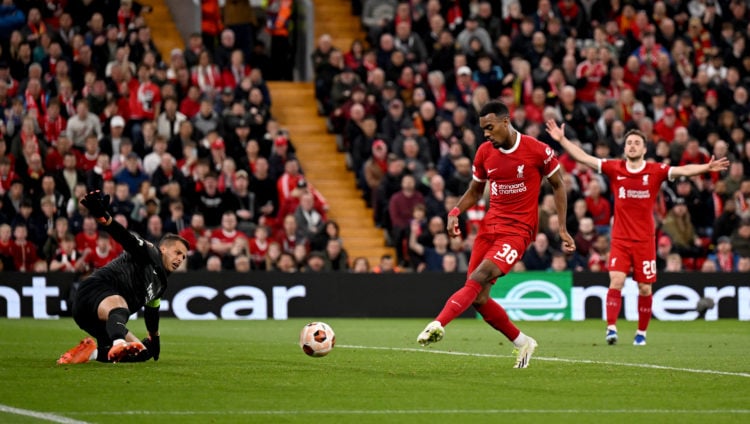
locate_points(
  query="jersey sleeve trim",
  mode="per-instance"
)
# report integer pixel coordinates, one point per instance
(669, 174)
(553, 171)
(598, 166)
(477, 179)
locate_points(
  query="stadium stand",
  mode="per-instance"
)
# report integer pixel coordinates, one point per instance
(107, 96)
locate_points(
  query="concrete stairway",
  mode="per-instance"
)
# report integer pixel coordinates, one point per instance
(163, 29)
(334, 17)
(294, 106)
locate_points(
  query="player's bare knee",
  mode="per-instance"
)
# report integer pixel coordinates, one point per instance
(644, 289)
(481, 299)
(616, 281)
(482, 276)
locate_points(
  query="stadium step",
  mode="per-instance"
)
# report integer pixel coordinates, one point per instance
(163, 29)
(334, 17)
(295, 108)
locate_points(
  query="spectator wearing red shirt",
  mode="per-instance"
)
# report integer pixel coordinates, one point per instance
(196, 229)
(68, 258)
(535, 109)
(23, 252)
(227, 240)
(693, 154)
(235, 71)
(145, 97)
(591, 70)
(191, 104)
(599, 207)
(87, 161)
(86, 239)
(7, 175)
(258, 247)
(665, 127)
(52, 123)
(206, 75)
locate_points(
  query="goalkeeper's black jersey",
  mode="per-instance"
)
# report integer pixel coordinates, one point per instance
(138, 273)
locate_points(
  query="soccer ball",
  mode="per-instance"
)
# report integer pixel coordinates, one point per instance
(317, 339)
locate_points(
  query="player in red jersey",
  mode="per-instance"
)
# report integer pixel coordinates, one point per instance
(513, 165)
(635, 184)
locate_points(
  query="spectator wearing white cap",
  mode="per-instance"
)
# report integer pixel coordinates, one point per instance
(110, 144)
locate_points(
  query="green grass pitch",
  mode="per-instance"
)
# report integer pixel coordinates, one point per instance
(254, 371)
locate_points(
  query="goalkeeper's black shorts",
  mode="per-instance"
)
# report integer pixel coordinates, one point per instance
(90, 294)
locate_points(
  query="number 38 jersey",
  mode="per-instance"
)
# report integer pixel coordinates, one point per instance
(634, 193)
(514, 177)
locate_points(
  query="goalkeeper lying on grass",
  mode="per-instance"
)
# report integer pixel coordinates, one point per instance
(105, 300)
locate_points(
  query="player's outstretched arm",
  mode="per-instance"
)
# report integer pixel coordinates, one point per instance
(561, 204)
(558, 134)
(714, 165)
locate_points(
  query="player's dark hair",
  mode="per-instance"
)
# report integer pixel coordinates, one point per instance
(639, 133)
(170, 238)
(496, 107)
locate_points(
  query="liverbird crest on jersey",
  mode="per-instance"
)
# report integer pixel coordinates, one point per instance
(519, 171)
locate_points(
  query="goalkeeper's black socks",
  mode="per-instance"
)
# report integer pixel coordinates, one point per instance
(116, 321)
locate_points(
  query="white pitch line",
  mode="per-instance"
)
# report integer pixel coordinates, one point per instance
(39, 415)
(542, 358)
(421, 412)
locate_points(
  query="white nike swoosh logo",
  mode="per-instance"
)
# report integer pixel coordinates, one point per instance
(489, 171)
(620, 178)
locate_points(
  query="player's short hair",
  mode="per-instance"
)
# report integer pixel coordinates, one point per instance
(496, 107)
(638, 133)
(170, 238)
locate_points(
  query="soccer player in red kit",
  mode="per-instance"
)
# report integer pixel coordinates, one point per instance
(513, 165)
(635, 184)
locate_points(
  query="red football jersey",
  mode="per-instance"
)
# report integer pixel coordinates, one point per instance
(143, 99)
(515, 178)
(225, 237)
(258, 251)
(634, 194)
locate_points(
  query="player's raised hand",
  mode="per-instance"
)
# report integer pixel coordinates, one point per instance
(557, 132)
(568, 244)
(718, 164)
(97, 203)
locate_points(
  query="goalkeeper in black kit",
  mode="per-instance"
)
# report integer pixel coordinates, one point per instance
(134, 280)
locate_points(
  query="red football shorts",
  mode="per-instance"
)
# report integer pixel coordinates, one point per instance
(503, 249)
(638, 256)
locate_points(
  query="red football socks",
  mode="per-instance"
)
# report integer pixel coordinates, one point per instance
(614, 303)
(644, 311)
(496, 316)
(459, 302)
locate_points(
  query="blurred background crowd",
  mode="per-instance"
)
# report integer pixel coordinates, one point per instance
(187, 144)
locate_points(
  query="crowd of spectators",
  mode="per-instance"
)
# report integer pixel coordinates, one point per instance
(184, 144)
(404, 102)
(187, 144)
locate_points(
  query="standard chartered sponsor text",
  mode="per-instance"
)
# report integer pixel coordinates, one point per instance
(639, 194)
(498, 189)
